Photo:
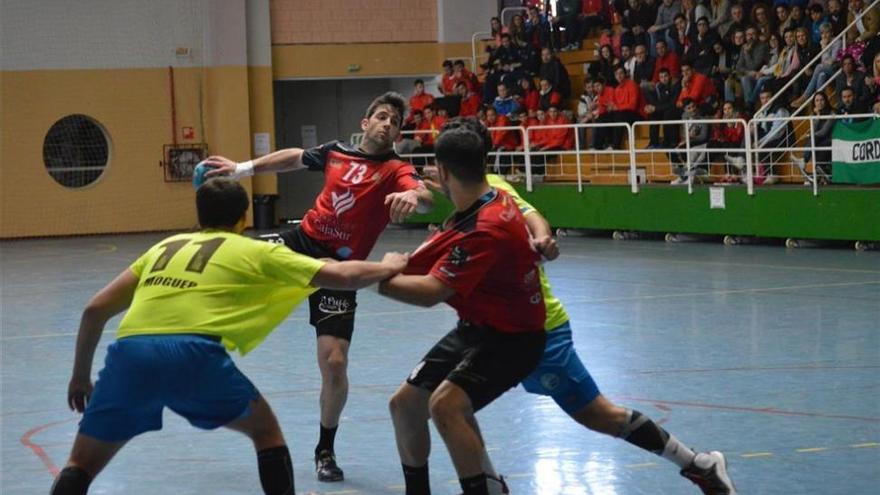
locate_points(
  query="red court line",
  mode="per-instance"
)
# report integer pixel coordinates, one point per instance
(37, 450)
(759, 410)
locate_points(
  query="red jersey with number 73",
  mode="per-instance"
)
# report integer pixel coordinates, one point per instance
(350, 212)
(484, 254)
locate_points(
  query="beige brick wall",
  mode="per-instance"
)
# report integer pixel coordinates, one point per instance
(353, 21)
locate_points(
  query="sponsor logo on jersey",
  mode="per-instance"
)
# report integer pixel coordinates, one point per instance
(549, 381)
(458, 256)
(342, 202)
(334, 305)
(536, 298)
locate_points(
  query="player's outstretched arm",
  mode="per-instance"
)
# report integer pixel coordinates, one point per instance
(107, 303)
(420, 290)
(285, 160)
(403, 204)
(542, 235)
(351, 275)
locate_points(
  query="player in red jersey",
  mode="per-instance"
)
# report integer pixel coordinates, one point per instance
(481, 263)
(364, 189)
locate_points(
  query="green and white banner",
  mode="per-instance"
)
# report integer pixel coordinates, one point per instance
(856, 152)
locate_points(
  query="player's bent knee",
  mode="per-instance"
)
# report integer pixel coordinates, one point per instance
(335, 364)
(445, 407)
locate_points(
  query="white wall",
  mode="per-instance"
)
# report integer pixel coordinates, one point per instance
(111, 34)
(458, 20)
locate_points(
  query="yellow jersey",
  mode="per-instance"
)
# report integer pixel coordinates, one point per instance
(217, 283)
(556, 314)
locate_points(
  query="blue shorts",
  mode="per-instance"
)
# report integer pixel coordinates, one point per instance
(561, 374)
(191, 375)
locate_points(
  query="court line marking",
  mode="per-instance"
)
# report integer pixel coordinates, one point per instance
(38, 450)
(865, 445)
(759, 410)
(756, 454)
(811, 449)
(574, 299)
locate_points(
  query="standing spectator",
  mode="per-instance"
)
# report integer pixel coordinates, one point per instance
(719, 16)
(531, 99)
(504, 103)
(698, 139)
(470, 102)
(447, 79)
(666, 59)
(553, 70)
(822, 129)
(627, 102)
(661, 106)
(547, 96)
(827, 65)
(867, 27)
(567, 17)
(754, 55)
(666, 12)
(694, 86)
(537, 29)
(419, 99)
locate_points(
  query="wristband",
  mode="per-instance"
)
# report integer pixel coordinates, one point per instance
(243, 169)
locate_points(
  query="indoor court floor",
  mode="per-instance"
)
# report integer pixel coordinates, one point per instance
(767, 354)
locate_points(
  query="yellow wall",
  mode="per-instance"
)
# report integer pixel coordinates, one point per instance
(375, 59)
(133, 105)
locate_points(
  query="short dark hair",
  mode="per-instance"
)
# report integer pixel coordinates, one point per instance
(687, 101)
(461, 149)
(816, 8)
(458, 62)
(664, 70)
(392, 99)
(447, 63)
(848, 88)
(221, 202)
(661, 41)
(419, 81)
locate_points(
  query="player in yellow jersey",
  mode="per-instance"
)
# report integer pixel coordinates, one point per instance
(190, 298)
(562, 376)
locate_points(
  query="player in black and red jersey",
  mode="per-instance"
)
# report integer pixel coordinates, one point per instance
(481, 263)
(364, 189)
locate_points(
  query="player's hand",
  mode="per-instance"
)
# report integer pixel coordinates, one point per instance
(397, 261)
(546, 245)
(403, 204)
(78, 392)
(221, 166)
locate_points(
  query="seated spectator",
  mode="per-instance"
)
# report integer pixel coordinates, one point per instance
(805, 48)
(627, 102)
(507, 53)
(872, 85)
(738, 21)
(732, 53)
(821, 138)
(470, 102)
(419, 99)
(606, 65)
(865, 29)
(837, 16)
(753, 58)
(537, 29)
(431, 123)
(504, 103)
(642, 71)
(700, 49)
(567, 17)
(826, 67)
(666, 12)
(447, 79)
(698, 139)
(679, 36)
(727, 136)
(798, 17)
(719, 17)
(789, 59)
(783, 21)
(637, 18)
(502, 139)
(461, 74)
(557, 138)
(722, 71)
(517, 31)
(602, 113)
(626, 57)
(530, 99)
(666, 59)
(694, 86)
(817, 18)
(407, 142)
(496, 29)
(850, 104)
(661, 106)
(586, 105)
(553, 70)
(548, 96)
(849, 77)
(761, 21)
(766, 73)
(776, 133)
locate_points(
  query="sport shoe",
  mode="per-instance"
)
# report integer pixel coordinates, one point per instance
(497, 486)
(712, 478)
(326, 467)
(770, 179)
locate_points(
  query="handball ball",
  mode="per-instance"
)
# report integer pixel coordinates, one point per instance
(199, 174)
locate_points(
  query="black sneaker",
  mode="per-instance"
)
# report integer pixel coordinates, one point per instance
(326, 468)
(712, 480)
(497, 486)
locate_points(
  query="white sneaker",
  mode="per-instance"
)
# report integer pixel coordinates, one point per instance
(709, 472)
(678, 181)
(770, 179)
(800, 163)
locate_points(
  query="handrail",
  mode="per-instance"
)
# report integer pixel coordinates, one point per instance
(474, 36)
(511, 9)
(824, 85)
(781, 91)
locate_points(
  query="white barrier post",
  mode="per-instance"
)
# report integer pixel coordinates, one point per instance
(815, 157)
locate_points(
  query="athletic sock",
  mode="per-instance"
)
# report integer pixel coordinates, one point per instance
(276, 471)
(325, 442)
(475, 485)
(71, 481)
(640, 431)
(417, 482)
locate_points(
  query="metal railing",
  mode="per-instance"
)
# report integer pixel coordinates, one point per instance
(585, 159)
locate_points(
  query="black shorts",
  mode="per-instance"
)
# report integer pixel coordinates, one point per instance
(331, 312)
(482, 361)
